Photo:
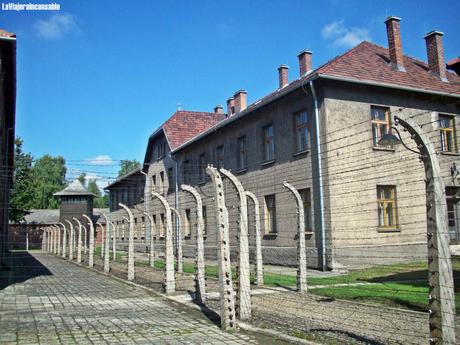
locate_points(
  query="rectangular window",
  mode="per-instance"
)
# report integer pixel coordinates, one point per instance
(301, 131)
(270, 214)
(242, 159)
(380, 117)
(447, 128)
(386, 203)
(306, 199)
(205, 222)
(269, 143)
(154, 182)
(170, 180)
(162, 182)
(220, 158)
(161, 149)
(186, 172)
(162, 225)
(187, 229)
(202, 167)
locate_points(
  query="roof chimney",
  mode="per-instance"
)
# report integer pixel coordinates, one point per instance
(230, 106)
(435, 52)
(304, 62)
(394, 43)
(218, 109)
(240, 100)
(283, 75)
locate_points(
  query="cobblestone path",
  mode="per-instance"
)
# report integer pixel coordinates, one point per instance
(47, 300)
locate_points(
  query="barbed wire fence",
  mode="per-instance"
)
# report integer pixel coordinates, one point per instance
(353, 236)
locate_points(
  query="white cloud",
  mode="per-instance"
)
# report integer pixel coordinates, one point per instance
(343, 36)
(100, 160)
(56, 26)
(333, 29)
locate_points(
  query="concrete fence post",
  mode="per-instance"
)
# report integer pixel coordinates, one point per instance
(54, 239)
(51, 237)
(152, 243)
(301, 250)
(58, 229)
(244, 269)
(170, 284)
(441, 298)
(58, 239)
(85, 239)
(259, 260)
(107, 244)
(91, 241)
(179, 256)
(43, 240)
(200, 282)
(102, 240)
(114, 236)
(131, 242)
(78, 240)
(71, 235)
(227, 295)
(64, 239)
(48, 240)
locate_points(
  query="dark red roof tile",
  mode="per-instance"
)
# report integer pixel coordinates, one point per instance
(184, 125)
(370, 62)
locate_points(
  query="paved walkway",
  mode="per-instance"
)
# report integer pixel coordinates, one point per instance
(47, 300)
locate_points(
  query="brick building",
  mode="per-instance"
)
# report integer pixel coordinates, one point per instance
(364, 204)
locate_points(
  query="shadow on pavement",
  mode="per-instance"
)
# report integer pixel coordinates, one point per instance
(21, 266)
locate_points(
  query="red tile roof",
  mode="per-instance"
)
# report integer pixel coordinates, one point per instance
(184, 125)
(370, 62)
(367, 62)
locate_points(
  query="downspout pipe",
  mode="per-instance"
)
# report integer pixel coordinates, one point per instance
(320, 178)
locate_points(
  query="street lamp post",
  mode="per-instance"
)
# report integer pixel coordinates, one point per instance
(441, 299)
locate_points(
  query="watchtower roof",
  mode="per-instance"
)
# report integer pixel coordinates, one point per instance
(75, 188)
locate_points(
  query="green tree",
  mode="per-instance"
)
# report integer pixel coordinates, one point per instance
(21, 200)
(49, 178)
(82, 178)
(100, 201)
(126, 166)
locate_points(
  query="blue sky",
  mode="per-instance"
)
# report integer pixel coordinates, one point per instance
(97, 77)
